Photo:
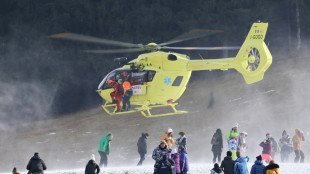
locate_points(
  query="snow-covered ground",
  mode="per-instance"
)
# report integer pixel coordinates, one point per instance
(288, 168)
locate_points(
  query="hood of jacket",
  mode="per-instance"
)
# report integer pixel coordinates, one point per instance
(91, 162)
(35, 158)
(227, 158)
(143, 135)
(272, 166)
(242, 160)
(163, 148)
(258, 162)
(297, 132)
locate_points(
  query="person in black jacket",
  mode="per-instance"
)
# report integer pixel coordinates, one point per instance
(142, 147)
(164, 166)
(92, 166)
(217, 145)
(181, 141)
(227, 164)
(36, 165)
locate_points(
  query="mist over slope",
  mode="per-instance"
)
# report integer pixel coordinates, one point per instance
(278, 102)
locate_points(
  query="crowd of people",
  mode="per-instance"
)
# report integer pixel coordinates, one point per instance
(170, 156)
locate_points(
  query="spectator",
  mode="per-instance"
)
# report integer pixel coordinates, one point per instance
(92, 167)
(104, 149)
(267, 147)
(183, 160)
(181, 141)
(168, 137)
(176, 158)
(233, 147)
(216, 169)
(272, 168)
(36, 164)
(15, 171)
(274, 148)
(217, 145)
(286, 147)
(142, 147)
(227, 164)
(160, 151)
(164, 166)
(241, 164)
(258, 167)
(233, 132)
(298, 137)
(242, 145)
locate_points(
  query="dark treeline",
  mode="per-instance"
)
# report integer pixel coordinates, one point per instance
(70, 76)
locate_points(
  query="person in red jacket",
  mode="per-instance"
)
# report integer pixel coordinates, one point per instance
(116, 95)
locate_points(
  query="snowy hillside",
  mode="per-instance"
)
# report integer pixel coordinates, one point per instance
(280, 101)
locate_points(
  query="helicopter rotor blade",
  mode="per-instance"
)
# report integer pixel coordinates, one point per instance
(130, 50)
(202, 48)
(193, 34)
(91, 39)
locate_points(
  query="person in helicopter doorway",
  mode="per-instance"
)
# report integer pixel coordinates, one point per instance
(116, 95)
(127, 94)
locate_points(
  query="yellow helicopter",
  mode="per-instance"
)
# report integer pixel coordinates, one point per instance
(160, 78)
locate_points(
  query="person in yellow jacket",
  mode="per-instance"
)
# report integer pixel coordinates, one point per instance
(127, 94)
(272, 168)
(298, 137)
(168, 137)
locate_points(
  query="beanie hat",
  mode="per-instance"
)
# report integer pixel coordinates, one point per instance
(174, 151)
(244, 133)
(236, 124)
(162, 142)
(92, 157)
(170, 130)
(259, 157)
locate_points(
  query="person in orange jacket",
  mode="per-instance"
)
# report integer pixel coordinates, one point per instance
(298, 137)
(116, 95)
(168, 137)
(127, 94)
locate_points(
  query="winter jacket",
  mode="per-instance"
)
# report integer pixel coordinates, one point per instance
(91, 167)
(272, 169)
(217, 142)
(183, 161)
(298, 137)
(227, 165)
(176, 159)
(168, 139)
(181, 141)
(232, 133)
(159, 152)
(286, 145)
(267, 147)
(232, 144)
(36, 165)
(241, 166)
(258, 168)
(104, 145)
(142, 146)
(163, 167)
(274, 145)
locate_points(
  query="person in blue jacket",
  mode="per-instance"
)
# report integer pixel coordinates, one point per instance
(183, 160)
(258, 167)
(241, 164)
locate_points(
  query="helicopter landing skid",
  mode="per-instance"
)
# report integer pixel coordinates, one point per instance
(144, 110)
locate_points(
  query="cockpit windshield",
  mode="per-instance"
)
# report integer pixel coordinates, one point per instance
(134, 77)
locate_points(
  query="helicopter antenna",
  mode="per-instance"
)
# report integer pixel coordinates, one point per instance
(201, 56)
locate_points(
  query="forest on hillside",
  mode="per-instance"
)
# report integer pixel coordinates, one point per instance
(40, 76)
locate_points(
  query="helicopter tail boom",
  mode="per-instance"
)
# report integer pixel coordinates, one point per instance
(252, 60)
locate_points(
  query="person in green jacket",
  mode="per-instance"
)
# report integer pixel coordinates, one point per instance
(233, 132)
(104, 149)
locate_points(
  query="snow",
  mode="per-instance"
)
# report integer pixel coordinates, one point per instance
(288, 168)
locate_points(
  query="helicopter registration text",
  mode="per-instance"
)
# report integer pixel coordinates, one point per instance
(137, 89)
